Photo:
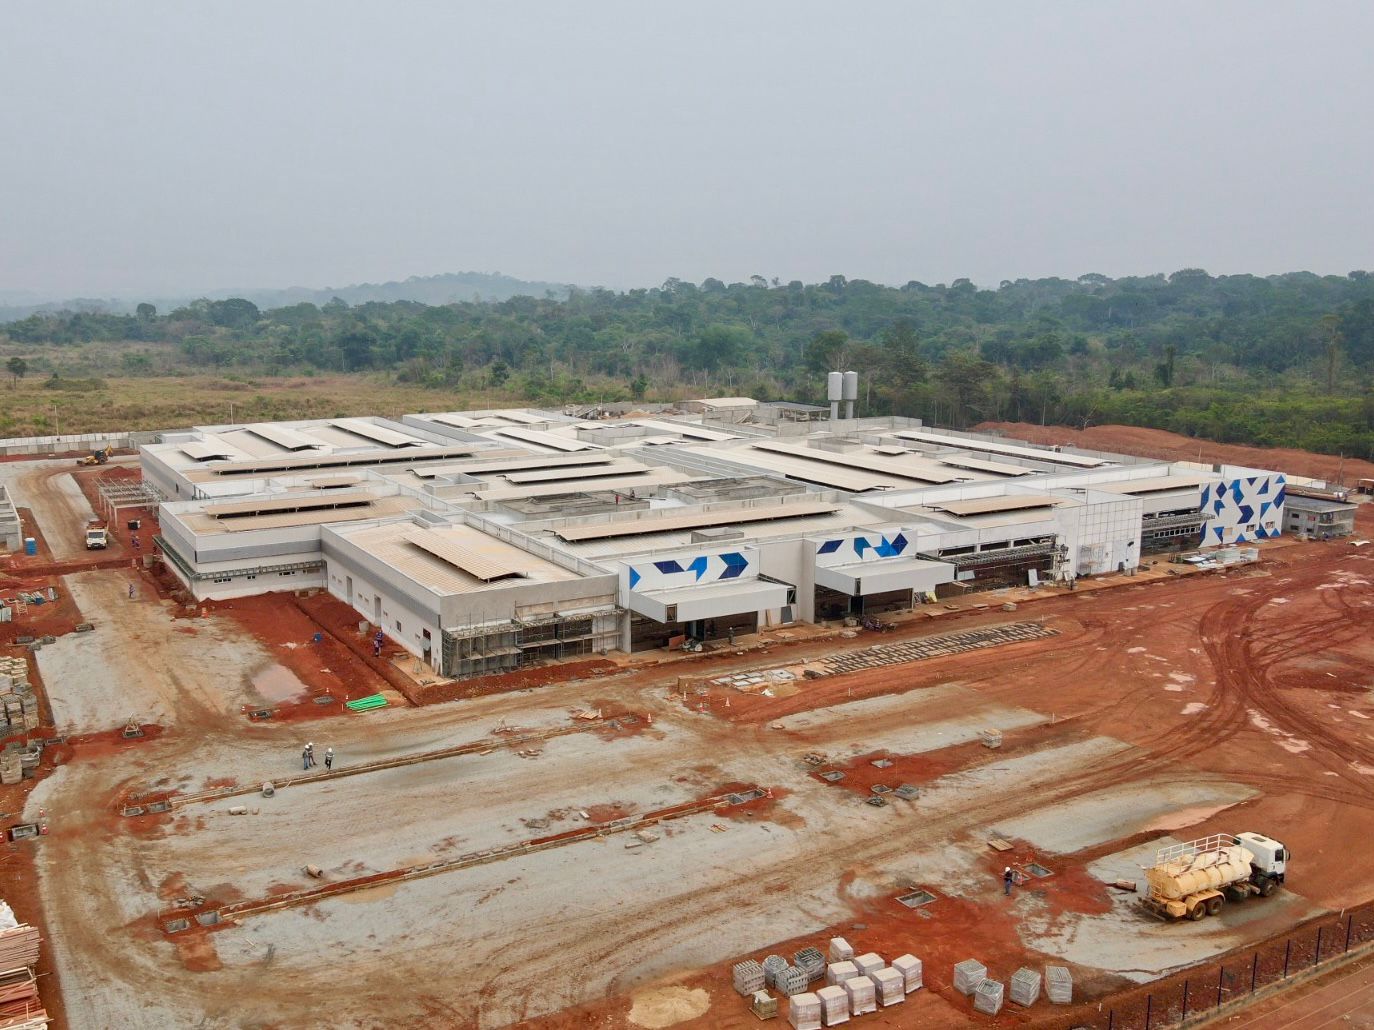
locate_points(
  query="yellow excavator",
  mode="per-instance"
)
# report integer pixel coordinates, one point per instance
(99, 457)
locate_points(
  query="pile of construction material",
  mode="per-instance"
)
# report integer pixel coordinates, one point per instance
(19, 706)
(854, 984)
(20, 1008)
(971, 979)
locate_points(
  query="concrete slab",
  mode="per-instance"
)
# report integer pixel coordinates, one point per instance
(1124, 811)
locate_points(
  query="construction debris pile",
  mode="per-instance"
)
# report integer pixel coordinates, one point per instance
(20, 1008)
(854, 985)
(16, 698)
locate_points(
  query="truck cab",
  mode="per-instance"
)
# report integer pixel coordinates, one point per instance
(1270, 861)
(97, 538)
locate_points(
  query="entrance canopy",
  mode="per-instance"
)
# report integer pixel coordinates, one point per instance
(859, 579)
(687, 604)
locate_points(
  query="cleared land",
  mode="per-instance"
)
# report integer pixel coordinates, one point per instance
(1164, 708)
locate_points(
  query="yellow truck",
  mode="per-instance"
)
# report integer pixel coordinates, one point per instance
(1195, 879)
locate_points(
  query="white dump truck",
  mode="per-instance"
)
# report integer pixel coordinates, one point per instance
(1193, 880)
(97, 535)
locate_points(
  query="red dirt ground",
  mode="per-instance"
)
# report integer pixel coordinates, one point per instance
(1158, 443)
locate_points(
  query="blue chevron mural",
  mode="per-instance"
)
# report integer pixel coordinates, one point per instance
(665, 573)
(1243, 509)
(862, 547)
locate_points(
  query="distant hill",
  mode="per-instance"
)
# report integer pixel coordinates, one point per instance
(450, 288)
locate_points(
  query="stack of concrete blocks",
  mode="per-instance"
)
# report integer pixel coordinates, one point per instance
(811, 962)
(968, 974)
(765, 1006)
(910, 968)
(804, 1011)
(838, 972)
(11, 771)
(840, 951)
(792, 981)
(862, 997)
(869, 963)
(772, 966)
(889, 986)
(1025, 986)
(834, 1005)
(17, 703)
(1058, 985)
(749, 977)
(988, 998)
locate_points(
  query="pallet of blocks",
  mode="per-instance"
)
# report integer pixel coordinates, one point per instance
(889, 986)
(838, 972)
(834, 1006)
(840, 950)
(988, 998)
(765, 1006)
(748, 977)
(910, 968)
(804, 1011)
(968, 974)
(1025, 986)
(869, 963)
(20, 1008)
(862, 997)
(1058, 985)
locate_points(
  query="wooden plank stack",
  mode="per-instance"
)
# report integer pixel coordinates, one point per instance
(20, 1008)
(18, 946)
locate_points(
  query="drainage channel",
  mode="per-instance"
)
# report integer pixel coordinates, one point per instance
(473, 747)
(262, 906)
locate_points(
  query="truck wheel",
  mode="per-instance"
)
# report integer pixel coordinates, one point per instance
(1197, 911)
(1214, 905)
(1267, 887)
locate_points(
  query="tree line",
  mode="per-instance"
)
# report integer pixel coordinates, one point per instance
(1285, 359)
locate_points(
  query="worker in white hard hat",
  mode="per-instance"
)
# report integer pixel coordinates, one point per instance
(310, 752)
(329, 758)
(1008, 878)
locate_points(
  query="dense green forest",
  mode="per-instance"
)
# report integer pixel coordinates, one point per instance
(1278, 360)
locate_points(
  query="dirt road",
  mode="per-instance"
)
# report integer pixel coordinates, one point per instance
(61, 509)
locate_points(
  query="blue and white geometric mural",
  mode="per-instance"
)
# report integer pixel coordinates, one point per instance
(870, 546)
(692, 569)
(1243, 509)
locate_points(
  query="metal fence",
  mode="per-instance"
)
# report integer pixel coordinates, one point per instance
(1202, 990)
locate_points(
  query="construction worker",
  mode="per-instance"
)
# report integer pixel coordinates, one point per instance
(305, 758)
(131, 591)
(377, 644)
(328, 758)
(1008, 878)
(310, 753)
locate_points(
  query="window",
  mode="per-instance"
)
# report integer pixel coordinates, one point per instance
(398, 625)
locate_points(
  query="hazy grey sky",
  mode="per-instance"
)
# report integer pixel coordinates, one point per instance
(176, 146)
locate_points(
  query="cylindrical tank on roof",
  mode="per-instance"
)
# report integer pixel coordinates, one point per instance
(850, 390)
(833, 386)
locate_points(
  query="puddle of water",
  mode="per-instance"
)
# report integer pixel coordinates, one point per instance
(278, 683)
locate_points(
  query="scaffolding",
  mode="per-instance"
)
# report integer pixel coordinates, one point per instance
(117, 494)
(497, 647)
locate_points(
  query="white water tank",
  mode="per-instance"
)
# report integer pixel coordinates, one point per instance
(833, 386)
(850, 390)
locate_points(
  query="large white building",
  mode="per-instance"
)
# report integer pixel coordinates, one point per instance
(485, 541)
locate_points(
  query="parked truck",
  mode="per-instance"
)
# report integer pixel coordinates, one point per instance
(1193, 880)
(97, 536)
